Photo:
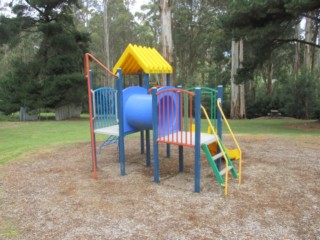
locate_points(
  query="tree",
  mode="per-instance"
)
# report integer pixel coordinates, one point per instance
(106, 32)
(166, 32)
(56, 69)
(237, 108)
(266, 27)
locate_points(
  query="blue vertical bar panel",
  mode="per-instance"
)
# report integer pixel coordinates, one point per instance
(219, 120)
(197, 140)
(155, 135)
(121, 124)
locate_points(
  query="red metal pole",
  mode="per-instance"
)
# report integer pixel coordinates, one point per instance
(87, 73)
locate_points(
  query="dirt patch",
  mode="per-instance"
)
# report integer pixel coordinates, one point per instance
(52, 195)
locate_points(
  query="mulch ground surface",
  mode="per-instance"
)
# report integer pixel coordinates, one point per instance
(51, 194)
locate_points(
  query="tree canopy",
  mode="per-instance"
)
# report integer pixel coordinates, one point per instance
(52, 77)
(42, 49)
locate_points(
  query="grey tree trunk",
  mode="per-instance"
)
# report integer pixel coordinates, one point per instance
(308, 48)
(269, 78)
(25, 115)
(242, 113)
(166, 32)
(238, 100)
(297, 59)
(106, 38)
(67, 111)
(235, 101)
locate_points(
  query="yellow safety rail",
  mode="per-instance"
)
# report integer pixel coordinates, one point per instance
(233, 137)
(221, 148)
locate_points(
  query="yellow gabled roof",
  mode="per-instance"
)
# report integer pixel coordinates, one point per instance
(136, 59)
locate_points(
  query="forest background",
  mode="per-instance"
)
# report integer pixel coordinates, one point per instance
(265, 53)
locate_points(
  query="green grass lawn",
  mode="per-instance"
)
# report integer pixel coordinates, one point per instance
(274, 127)
(17, 138)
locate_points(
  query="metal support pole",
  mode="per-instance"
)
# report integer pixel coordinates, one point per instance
(197, 140)
(155, 135)
(148, 155)
(121, 124)
(219, 121)
(168, 78)
(181, 167)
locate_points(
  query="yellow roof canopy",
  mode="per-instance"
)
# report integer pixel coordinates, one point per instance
(136, 59)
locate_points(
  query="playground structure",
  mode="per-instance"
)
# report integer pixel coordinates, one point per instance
(173, 115)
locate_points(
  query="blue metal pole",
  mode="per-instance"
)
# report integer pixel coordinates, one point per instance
(219, 120)
(197, 140)
(146, 81)
(181, 167)
(121, 124)
(168, 78)
(148, 157)
(142, 142)
(178, 100)
(168, 83)
(146, 85)
(155, 135)
(140, 79)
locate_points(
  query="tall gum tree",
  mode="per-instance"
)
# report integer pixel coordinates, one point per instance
(238, 106)
(166, 32)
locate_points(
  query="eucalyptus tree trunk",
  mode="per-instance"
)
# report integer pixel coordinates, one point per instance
(242, 113)
(238, 107)
(269, 78)
(297, 59)
(166, 32)
(67, 112)
(235, 101)
(308, 48)
(106, 37)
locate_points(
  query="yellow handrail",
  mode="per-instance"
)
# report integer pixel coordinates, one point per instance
(221, 148)
(233, 137)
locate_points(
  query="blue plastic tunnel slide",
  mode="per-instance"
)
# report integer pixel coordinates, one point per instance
(137, 109)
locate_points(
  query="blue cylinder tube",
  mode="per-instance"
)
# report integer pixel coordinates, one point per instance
(138, 111)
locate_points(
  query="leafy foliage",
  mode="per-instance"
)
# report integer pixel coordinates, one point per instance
(52, 78)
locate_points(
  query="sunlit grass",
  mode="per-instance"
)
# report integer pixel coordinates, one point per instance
(17, 138)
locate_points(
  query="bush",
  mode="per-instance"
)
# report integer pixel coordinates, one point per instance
(299, 95)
